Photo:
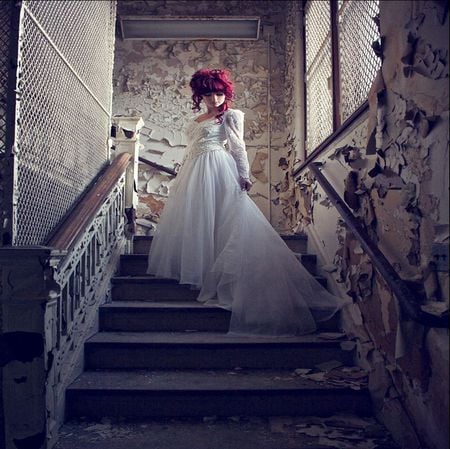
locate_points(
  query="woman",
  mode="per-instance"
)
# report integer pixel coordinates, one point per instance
(212, 235)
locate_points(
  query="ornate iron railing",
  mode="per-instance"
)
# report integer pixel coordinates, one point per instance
(168, 170)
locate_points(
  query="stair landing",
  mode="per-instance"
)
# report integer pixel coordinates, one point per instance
(339, 431)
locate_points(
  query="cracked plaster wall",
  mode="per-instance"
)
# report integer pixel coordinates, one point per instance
(391, 167)
(151, 79)
(286, 157)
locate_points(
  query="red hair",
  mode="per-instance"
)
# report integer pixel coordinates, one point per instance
(211, 80)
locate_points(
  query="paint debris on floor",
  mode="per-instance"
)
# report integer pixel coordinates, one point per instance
(341, 431)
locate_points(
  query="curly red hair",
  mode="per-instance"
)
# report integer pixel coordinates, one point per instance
(211, 80)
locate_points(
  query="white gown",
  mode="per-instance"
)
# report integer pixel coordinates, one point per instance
(212, 236)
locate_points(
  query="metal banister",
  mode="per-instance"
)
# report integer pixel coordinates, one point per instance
(408, 300)
(159, 167)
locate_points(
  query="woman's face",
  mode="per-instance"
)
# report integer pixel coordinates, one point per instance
(213, 99)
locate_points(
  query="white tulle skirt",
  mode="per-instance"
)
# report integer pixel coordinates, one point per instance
(212, 236)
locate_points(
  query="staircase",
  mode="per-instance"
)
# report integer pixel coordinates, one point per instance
(159, 353)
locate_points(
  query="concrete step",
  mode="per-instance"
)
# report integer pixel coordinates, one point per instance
(338, 431)
(141, 394)
(297, 243)
(141, 316)
(309, 261)
(208, 350)
(149, 288)
(136, 264)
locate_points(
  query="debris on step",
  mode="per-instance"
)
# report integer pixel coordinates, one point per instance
(334, 373)
(346, 431)
(436, 308)
(348, 345)
(301, 371)
(339, 431)
(328, 366)
(234, 418)
(353, 377)
(278, 424)
(317, 377)
(107, 428)
(331, 335)
(209, 419)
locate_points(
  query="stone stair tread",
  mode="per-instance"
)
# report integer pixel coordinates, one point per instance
(294, 236)
(226, 433)
(283, 236)
(136, 264)
(145, 256)
(149, 279)
(296, 242)
(206, 380)
(175, 305)
(146, 279)
(207, 338)
(173, 315)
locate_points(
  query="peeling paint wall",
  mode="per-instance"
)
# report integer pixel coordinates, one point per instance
(283, 187)
(151, 79)
(391, 167)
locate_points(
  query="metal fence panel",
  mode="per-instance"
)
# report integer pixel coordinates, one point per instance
(358, 62)
(83, 33)
(319, 97)
(65, 60)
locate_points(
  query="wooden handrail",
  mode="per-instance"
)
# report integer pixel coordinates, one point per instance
(85, 210)
(168, 170)
(408, 300)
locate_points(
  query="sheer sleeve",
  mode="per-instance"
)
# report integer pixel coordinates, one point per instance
(234, 129)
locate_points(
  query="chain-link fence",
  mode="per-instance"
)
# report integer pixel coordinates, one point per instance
(319, 103)
(65, 66)
(358, 62)
(5, 32)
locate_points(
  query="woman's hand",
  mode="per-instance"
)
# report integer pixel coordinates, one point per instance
(245, 184)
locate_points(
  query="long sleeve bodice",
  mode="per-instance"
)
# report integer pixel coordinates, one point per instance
(234, 130)
(210, 236)
(210, 136)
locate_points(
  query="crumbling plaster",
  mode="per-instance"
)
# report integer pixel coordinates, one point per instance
(151, 80)
(391, 167)
(284, 161)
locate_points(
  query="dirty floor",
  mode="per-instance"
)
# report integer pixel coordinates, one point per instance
(342, 431)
